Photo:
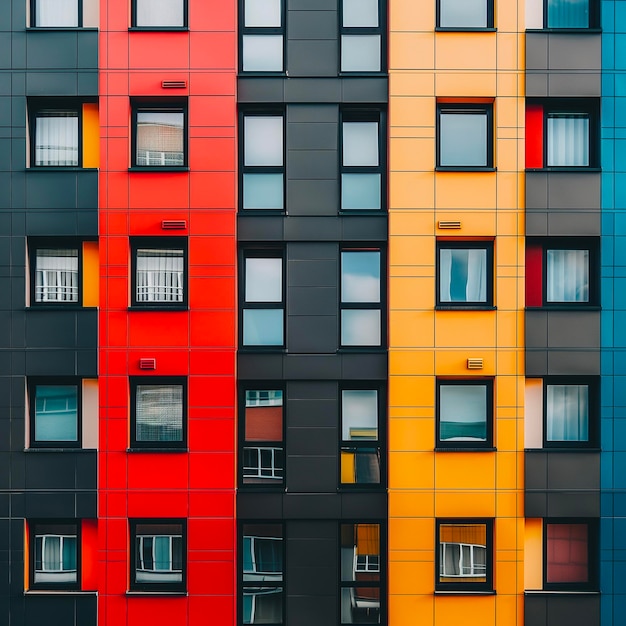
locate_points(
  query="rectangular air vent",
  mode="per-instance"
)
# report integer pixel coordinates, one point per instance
(174, 84)
(174, 224)
(448, 224)
(474, 364)
(147, 364)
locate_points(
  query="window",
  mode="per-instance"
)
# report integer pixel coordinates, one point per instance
(465, 273)
(56, 13)
(55, 136)
(159, 135)
(263, 453)
(263, 299)
(55, 554)
(571, 14)
(263, 166)
(564, 132)
(465, 133)
(262, 566)
(360, 437)
(570, 554)
(55, 413)
(165, 14)
(465, 413)
(361, 36)
(55, 273)
(465, 554)
(562, 272)
(361, 573)
(464, 14)
(570, 411)
(362, 163)
(262, 35)
(361, 298)
(158, 555)
(158, 412)
(159, 276)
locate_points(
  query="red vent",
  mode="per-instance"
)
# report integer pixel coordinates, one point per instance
(147, 364)
(174, 84)
(174, 224)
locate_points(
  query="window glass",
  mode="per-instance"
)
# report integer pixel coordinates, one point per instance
(56, 275)
(360, 276)
(463, 554)
(360, 143)
(567, 553)
(159, 413)
(263, 327)
(463, 14)
(568, 13)
(567, 413)
(160, 138)
(263, 136)
(568, 139)
(360, 13)
(360, 327)
(463, 275)
(55, 555)
(463, 139)
(360, 53)
(160, 275)
(160, 13)
(56, 13)
(56, 413)
(462, 413)
(567, 276)
(264, 280)
(56, 138)
(262, 53)
(262, 13)
(360, 191)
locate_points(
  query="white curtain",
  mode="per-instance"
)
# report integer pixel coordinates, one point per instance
(568, 275)
(568, 140)
(463, 275)
(56, 276)
(160, 276)
(57, 13)
(56, 140)
(567, 408)
(159, 413)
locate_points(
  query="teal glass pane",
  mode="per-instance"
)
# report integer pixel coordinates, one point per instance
(56, 413)
(360, 192)
(263, 191)
(568, 14)
(263, 327)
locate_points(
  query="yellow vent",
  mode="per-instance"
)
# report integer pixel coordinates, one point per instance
(474, 364)
(449, 224)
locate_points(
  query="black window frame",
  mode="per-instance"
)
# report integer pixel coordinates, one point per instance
(135, 26)
(33, 526)
(489, 27)
(48, 106)
(155, 587)
(171, 105)
(140, 243)
(271, 484)
(461, 446)
(365, 115)
(261, 253)
(259, 169)
(594, 19)
(593, 386)
(586, 106)
(33, 17)
(465, 586)
(35, 244)
(56, 381)
(592, 555)
(356, 445)
(467, 108)
(380, 306)
(456, 244)
(158, 446)
(245, 31)
(381, 583)
(263, 582)
(380, 30)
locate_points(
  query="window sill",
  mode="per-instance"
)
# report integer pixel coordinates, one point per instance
(361, 349)
(368, 74)
(375, 212)
(464, 168)
(459, 592)
(163, 168)
(565, 307)
(173, 594)
(57, 450)
(159, 450)
(558, 450)
(468, 449)
(60, 168)
(152, 308)
(47, 29)
(59, 592)
(59, 307)
(542, 592)
(262, 488)
(158, 29)
(262, 349)
(277, 74)
(466, 29)
(564, 169)
(465, 307)
(576, 31)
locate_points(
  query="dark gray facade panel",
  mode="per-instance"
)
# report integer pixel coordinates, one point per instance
(87, 189)
(5, 106)
(364, 506)
(60, 470)
(312, 5)
(312, 334)
(364, 228)
(312, 610)
(18, 50)
(313, 273)
(564, 85)
(312, 25)
(53, 505)
(309, 114)
(51, 329)
(562, 223)
(252, 228)
(18, 153)
(51, 190)
(573, 504)
(574, 329)
(18, 87)
(306, 90)
(571, 609)
(307, 301)
(308, 57)
(535, 504)
(313, 135)
(305, 414)
(5, 16)
(312, 251)
(365, 366)
(86, 504)
(252, 366)
(39, 362)
(87, 49)
(574, 362)
(259, 506)
(87, 328)
(573, 192)
(312, 164)
(312, 506)
(52, 83)
(365, 90)
(313, 197)
(324, 390)
(60, 610)
(536, 362)
(51, 50)
(88, 84)
(255, 90)
(5, 51)
(576, 470)
(536, 51)
(578, 53)
(313, 441)
(536, 191)
(87, 363)
(312, 474)
(314, 228)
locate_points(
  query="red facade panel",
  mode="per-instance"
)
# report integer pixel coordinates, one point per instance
(534, 136)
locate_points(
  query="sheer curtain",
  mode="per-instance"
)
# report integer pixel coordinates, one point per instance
(567, 412)
(59, 13)
(56, 275)
(462, 275)
(568, 14)
(159, 413)
(56, 139)
(159, 275)
(568, 275)
(568, 139)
